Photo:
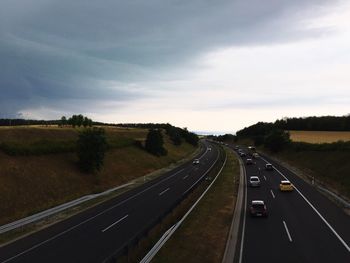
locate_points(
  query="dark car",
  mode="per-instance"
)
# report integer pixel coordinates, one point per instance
(195, 161)
(268, 167)
(242, 154)
(258, 208)
(249, 161)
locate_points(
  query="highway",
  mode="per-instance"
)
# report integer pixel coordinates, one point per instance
(302, 225)
(97, 234)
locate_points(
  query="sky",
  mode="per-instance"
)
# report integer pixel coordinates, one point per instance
(212, 66)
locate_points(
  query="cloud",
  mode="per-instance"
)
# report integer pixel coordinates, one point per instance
(93, 54)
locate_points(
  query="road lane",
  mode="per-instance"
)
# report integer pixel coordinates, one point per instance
(267, 239)
(81, 239)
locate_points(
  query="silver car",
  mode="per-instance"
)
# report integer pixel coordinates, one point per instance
(254, 181)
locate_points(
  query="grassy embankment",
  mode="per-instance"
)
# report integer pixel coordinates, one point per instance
(39, 167)
(202, 237)
(327, 163)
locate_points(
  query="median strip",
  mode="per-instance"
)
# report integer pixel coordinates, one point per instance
(206, 229)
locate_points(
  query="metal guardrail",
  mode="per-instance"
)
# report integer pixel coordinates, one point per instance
(149, 256)
(49, 212)
(52, 211)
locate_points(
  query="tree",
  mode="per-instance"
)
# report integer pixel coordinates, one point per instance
(190, 137)
(277, 140)
(63, 121)
(80, 120)
(174, 134)
(91, 148)
(86, 122)
(154, 143)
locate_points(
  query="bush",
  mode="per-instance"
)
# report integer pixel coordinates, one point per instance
(154, 143)
(277, 140)
(320, 147)
(91, 148)
(259, 140)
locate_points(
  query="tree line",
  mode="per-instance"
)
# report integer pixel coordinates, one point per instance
(76, 120)
(324, 123)
(275, 136)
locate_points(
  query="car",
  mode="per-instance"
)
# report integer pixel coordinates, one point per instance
(236, 148)
(254, 181)
(195, 161)
(242, 154)
(249, 161)
(258, 208)
(209, 149)
(286, 186)
(268, 167)
(251, 148)
(255, 155)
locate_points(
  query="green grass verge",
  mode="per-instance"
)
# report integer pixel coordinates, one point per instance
(202, 237)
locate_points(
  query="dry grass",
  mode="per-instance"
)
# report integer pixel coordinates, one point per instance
(29, 184)
(202, 237)
(319, 136)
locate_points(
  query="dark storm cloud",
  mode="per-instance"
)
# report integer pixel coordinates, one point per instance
(52, 50)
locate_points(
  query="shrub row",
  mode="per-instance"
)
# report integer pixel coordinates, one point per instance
(320, 147)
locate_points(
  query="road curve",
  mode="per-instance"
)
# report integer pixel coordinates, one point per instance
(97, 233)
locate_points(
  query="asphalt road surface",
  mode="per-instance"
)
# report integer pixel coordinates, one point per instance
(98, 233)
(302, 225)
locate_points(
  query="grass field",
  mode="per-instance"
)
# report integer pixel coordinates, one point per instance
(319, 136)
(29, 184)
(202, 237)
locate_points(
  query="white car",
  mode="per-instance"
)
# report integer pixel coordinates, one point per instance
(195, 161)
(254, 181)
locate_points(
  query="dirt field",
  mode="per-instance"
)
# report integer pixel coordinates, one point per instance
(319, 136)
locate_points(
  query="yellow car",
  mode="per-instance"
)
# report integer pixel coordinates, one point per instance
(286, 186)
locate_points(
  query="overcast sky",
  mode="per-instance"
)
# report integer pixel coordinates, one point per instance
(206, 65)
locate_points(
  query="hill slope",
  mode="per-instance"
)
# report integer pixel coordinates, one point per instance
(34, 182)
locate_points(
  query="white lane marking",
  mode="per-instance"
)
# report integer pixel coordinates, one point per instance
(89, 219)
(244, 218)
(217, 158)
(185, 177)
(112, 225)
(286, 228)
(163, 192)
(273, 195)
(265, 177)
(318, 213)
